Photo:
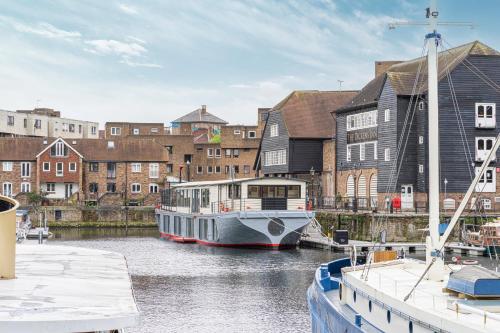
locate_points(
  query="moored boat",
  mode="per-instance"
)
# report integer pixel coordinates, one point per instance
(260, 212)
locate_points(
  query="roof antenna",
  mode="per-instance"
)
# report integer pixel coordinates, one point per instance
(340, 84)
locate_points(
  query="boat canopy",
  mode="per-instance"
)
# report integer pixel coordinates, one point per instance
(475, 281)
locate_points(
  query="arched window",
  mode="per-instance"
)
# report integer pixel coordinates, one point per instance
(373, 191)
(362, 191)
(350, 186)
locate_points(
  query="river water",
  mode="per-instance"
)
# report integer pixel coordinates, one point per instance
(193, 288)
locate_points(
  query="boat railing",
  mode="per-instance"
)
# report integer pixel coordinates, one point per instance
(249, 205)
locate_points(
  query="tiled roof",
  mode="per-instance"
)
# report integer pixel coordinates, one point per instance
(200, 116)
(129, 150)
(307, 113)
(402, 75)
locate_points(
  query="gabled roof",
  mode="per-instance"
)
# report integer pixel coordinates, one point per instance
(307, 113)
(54, 142)
(200, 116)
(402, 75)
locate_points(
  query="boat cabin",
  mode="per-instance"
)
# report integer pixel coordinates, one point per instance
(251, 194)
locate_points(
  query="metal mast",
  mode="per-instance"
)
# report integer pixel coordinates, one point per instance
(433, 40)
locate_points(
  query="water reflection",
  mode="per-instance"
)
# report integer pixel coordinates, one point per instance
(192, 288)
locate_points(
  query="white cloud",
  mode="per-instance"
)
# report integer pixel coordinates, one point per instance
(127, 9)
(42, 29)
(111, 46)
(131, 63)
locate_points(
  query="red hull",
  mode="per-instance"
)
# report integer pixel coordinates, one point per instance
(207, 243)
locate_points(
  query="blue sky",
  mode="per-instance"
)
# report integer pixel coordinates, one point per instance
(156, 60)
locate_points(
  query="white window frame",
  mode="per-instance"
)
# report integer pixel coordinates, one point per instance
(25, 187)
(421, 105)
(93, 130)
(59, 173)
(50, 187)
(387, 154)
(72, 167)
(210, 152)
(274, 130)
(348, 156)
(421, 140)
(420, 168)
(387, 115)
(491, 183)
(7, 166)
(210, 169)
(482, 154)
(116, 131)
(152, 186)
(154, 130)
(217, 169)
(10, 120)
(154, 170)
(44, 165)
(136, 167)
(228, 152)
(484, 121)
(38, 124)
(362, 120)
(252, 134)
(199, 169)
(10, 187)
(275, 157)
(135, 131)
(135, 188)
(218, 152)
(25, 169)
(362, 151)
(59, 149)
(236, 132)
(375, 150)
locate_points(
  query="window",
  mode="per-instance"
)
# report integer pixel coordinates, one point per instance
(236, 153)
(421, 105)
(252, 134)
(485, 115)
(226, 169)
(153, 188)
(38, 123)
(170, 149)
(72, 128)
(25, 169)
(7, 189)
(217, 152)
(50, 187)
(236, 132)
(136, 167)
(25, 123)
(93, 166)
(72, 167)
(10, 120)
(154, 170)
(293, 191)
(7, 166)
(111, 170)
(483, 147)
(93, 130)
(362, 120)
(217, 169)
(246, 169)
(111, 187)
(136, 188)
(420, 140)
(362, 151)
(25, 187)
(154, 130)
(274, 130)
(487, 182)
(210, 169)
(253, 192)
(420, 168)
(170, 168)
(205, 198)
(199, 169)
(275, 157)
(349, 153)
(135, 131)
(387, 115)
(234, 191)
(375, 150)
(80, 129)
(228, 152)
(210, 152)
(111, 144)
(387, 154)
(59, 149)
(93, 187)
(236, 169)
(116, 131)
(59, 169)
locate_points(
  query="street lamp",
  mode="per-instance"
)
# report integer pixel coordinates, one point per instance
(188, 163)
(311, 199)
(445, 183)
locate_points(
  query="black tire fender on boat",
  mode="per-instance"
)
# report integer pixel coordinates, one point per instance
(340, 290)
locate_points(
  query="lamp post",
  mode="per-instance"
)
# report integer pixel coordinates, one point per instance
(180, 174)
(445, 184)
(311, 199)
(188, 163)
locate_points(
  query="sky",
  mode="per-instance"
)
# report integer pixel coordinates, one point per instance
(156, 60)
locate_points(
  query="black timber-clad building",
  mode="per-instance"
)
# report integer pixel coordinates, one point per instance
(384, 114)
(294, 136)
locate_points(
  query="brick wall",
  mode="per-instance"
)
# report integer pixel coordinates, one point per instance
(68, 176)
(328, 174)
(14, 177)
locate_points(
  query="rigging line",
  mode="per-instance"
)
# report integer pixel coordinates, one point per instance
(458, 115)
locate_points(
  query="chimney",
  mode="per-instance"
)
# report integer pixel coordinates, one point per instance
(203, 109)
(382, 66)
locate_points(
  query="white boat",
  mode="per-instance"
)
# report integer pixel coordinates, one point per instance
(253, 212)
(404, 295)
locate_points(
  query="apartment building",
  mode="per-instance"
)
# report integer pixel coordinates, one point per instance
(85, 170)
(125, 129)
(44, 122)
(370, 127)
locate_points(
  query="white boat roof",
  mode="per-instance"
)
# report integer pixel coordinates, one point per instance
(67, 289)
(239, 180)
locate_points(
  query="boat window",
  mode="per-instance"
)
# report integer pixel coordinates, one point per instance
(205, 197)
(354, 296)
(234, 191)
(294, 191)
(189, 227)
(410, 327)
(388, 316)
(273, 191)
(177, 225)
(216, 231)
(253, 192)
(370, 306)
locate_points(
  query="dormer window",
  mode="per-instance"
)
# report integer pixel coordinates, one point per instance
(59, 149)
(485, 115)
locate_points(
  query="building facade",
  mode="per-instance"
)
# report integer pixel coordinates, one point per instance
(42, 122)
(382, 133)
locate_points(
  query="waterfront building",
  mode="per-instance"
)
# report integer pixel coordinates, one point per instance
(115, 130)
(297, 133)
(105, 172)
(43, 122)
(370, 126)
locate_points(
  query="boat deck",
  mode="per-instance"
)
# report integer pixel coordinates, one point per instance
(391, 282)
(67, 289)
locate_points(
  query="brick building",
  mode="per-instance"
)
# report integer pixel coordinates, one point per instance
(115, 130)
(101, 171)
